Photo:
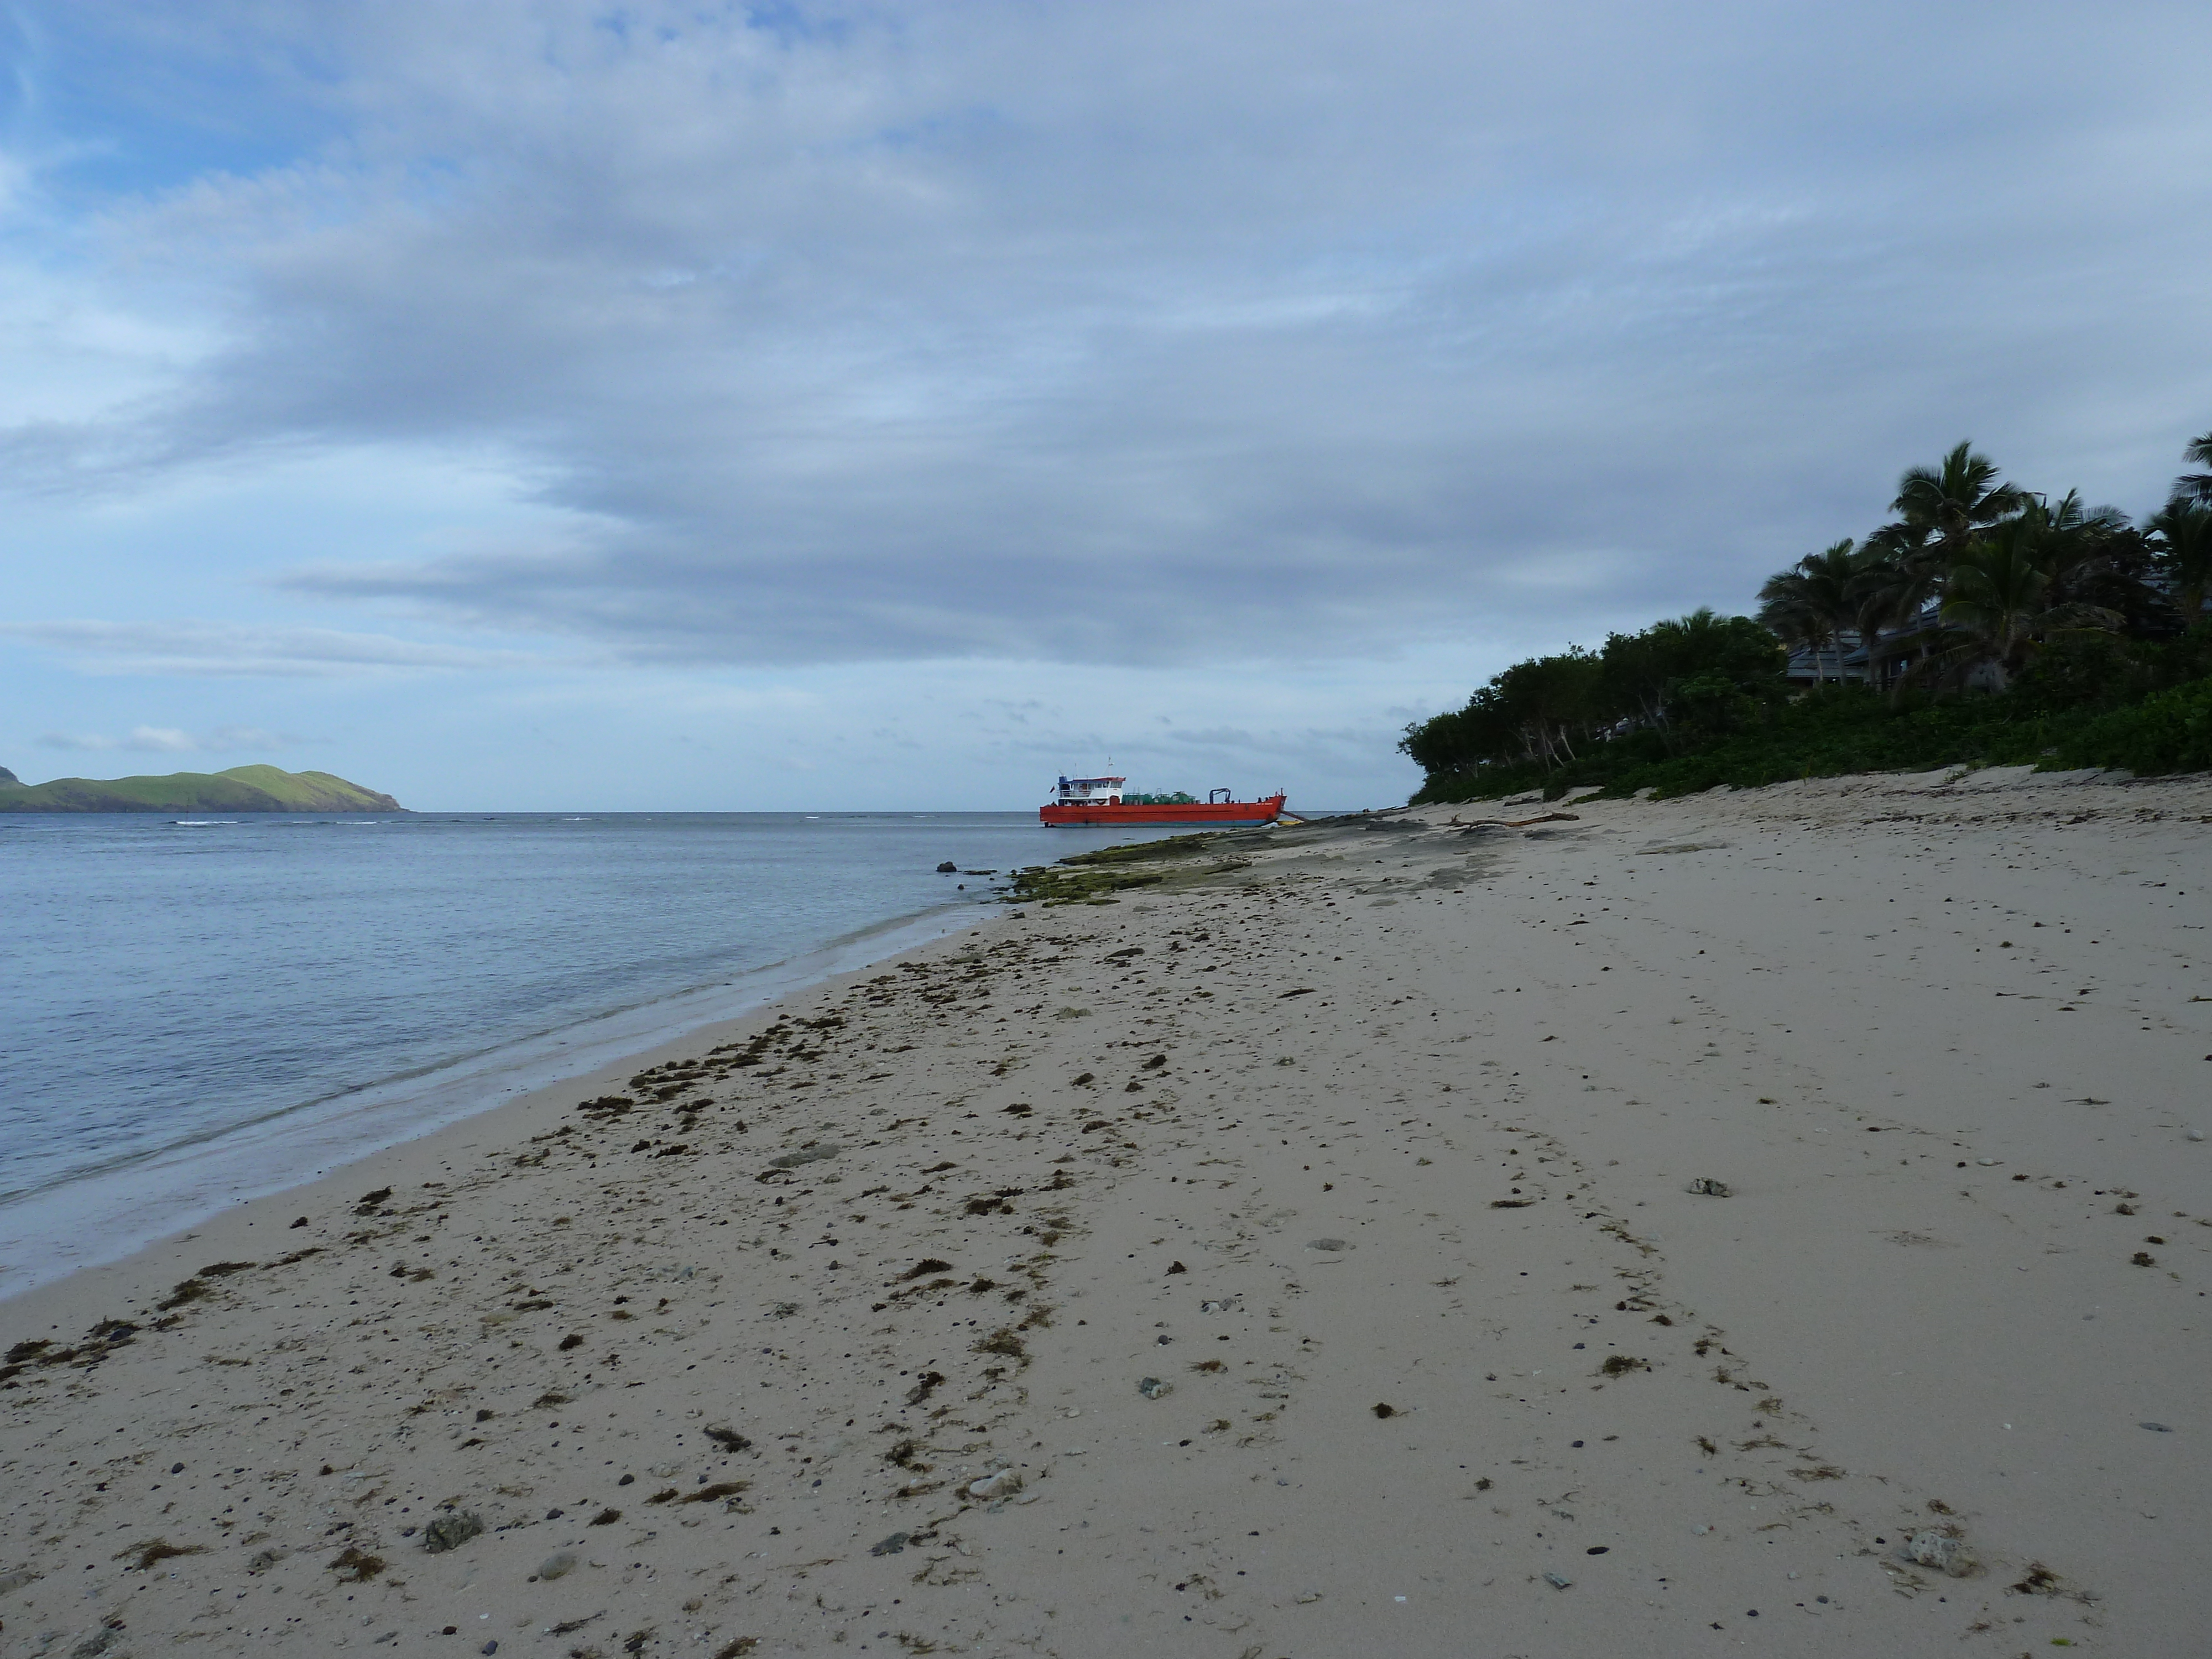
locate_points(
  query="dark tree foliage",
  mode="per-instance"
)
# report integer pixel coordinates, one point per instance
(1698, 676)
(1695, 677)
(1984, 623)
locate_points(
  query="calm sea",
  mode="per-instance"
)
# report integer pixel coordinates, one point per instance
(199, 1011)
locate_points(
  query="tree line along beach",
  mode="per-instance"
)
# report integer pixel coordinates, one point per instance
(1985, 623)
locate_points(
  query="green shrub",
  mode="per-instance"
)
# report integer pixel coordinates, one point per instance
(1841, 730)
(2169, 732)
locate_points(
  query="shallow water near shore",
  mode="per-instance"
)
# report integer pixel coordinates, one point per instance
(202, 1010)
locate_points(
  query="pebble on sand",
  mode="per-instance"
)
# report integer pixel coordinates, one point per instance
(1938, 1550)
(450, 1532)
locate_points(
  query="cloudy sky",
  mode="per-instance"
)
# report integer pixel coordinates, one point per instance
(536, 403)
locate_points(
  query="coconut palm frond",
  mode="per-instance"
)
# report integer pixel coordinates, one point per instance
(2182, 534)
(2196, 486)
(1891, 587)
(1814, 602)
(1957, 496)
(1995, 589)
(2000, 597)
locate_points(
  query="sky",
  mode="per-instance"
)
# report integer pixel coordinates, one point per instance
(532, 404)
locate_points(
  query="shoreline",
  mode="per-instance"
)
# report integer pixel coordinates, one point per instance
(136, 1204)
(1308, 1253)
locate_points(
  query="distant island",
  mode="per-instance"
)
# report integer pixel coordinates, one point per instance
(241, 789)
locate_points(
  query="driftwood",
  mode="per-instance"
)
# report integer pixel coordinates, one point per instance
(1518, 823)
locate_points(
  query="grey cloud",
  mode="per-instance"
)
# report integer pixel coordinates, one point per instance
(1146, 752)
(221, 648)
(1159, 334)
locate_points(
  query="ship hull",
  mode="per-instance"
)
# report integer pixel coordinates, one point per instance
(1218, 815)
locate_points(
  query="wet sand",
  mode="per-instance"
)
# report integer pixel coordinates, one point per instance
(1303, 1260)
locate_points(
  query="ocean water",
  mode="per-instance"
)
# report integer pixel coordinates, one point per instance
(195, 1011)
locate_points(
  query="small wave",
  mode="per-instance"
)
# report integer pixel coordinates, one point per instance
(202, 824)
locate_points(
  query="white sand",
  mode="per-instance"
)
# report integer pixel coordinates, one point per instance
(1932, 1039)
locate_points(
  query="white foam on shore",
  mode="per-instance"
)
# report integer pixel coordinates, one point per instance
(88, 1219)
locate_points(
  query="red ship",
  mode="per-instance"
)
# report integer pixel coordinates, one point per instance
(1102, 800)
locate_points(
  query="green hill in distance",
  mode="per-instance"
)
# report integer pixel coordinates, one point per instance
(241, 789)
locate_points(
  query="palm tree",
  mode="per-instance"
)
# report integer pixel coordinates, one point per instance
(2068, 515)
(2185, 529)
(1791, 616)
(1954, 500)
(1999, 595)
(2196, 486)
(2093, 554)
(1813, 602)
(1895, 577)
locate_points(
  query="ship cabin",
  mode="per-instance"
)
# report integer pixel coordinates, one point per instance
(1090, 792)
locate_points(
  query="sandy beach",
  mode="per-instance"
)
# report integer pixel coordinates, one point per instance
(1770, 1222)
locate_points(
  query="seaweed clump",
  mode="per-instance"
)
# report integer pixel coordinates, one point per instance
(355, 1567)
(144, 1553)
(1094, 878)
